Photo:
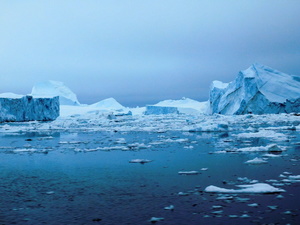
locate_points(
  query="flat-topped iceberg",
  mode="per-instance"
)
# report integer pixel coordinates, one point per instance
(55, 88)
(258, 90)
(19, 108)
(158, 110)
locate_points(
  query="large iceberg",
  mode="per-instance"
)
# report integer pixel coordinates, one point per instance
(258, 90)
(19, 108)
(55, 88)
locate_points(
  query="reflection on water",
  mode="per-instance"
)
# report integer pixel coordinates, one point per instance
(86, 178)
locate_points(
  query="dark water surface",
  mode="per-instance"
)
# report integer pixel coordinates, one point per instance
(61, 181)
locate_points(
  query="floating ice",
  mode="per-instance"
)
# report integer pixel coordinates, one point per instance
(156, 219)
(256, 161)
(193, 172)
(261, 188)
(171, 207)
(142, 161)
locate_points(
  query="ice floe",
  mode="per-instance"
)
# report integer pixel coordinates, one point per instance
(258, 188)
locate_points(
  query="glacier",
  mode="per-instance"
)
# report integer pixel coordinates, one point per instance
(19, 108)
(52, 88)
(256, 90)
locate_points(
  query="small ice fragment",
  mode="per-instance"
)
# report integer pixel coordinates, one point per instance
(233, 216)
(286, 173)
(279, 196)
(183, 194)
(217, 212)
(295, 177)
(193, 172)
(272, 207)
(50, 192)
(244, 216)
(217, 207)
(156, 219)
(204, 169)
(171, 207)
(253, 205)
(256, 161)
(142, 161)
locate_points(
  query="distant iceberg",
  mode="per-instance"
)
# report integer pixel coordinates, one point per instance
(258, 90)
(159, 110)
(19, 108)
(108, 104)
(55, 88)
(186, 105)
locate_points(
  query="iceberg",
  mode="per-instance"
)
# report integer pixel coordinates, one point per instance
(19, 108)
(158, 110)
(55, 88)
(186, 105)
(108, 104)
(258, 90)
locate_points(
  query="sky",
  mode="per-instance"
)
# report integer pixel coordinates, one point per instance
(142, 52)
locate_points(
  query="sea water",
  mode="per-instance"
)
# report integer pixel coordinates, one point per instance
(87, 178)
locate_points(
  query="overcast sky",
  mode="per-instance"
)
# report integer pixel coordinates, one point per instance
(142, 52)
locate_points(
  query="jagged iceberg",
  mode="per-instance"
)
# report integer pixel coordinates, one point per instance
(55, 88)
(19, 108)
(258, 90)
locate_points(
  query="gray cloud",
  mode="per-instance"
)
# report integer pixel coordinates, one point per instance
(141, 52)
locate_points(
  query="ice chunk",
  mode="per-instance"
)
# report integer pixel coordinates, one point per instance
(27, 108)
(157, 110)
(142, 161)
(55, 88)
(258, 90)
(256, 161)
(156, 219)
(171, 207)
(261, 188)
(193, 172)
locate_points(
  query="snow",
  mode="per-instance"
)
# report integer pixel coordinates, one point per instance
(27, 108)
(258, 188)
(55, 88)
(258, 90)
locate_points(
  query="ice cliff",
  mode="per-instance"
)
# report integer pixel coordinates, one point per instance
(19, 108)
(55, 88)
(258, 90)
